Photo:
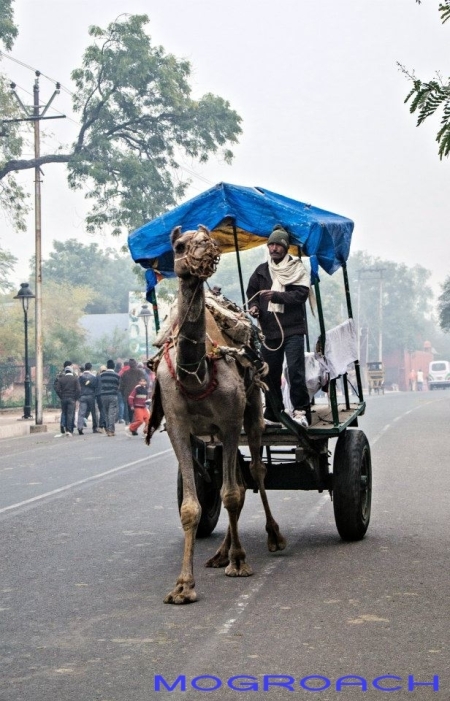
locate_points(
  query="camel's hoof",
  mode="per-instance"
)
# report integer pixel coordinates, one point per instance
(181, 596)
(218, 560)
(243, 570)
(275, 541)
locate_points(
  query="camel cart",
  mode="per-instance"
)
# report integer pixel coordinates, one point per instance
(295, 457)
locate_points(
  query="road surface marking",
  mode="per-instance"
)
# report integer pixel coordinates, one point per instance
(84, 481)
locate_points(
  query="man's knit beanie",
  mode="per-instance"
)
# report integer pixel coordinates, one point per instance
(279, 235)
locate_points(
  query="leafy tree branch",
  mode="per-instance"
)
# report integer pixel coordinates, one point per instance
(138, 120)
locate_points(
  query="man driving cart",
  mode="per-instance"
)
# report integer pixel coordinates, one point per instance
(276, 293)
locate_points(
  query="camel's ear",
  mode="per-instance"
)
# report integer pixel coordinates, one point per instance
(175, 235)
(204, 229)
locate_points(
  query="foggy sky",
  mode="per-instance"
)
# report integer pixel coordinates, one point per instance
(321, 98)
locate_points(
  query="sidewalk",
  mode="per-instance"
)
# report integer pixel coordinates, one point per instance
(12, 424)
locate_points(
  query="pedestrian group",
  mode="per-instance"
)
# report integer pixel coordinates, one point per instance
(117, 393)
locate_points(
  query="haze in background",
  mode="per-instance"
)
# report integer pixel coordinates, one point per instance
(320, 94)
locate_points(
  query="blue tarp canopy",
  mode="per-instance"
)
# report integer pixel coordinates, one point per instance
(250, 213)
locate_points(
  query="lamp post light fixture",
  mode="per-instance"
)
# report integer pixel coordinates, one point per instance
(25, 294)
(145, 315)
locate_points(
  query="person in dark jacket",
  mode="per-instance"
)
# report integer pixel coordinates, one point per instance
(109, 388)
(276, 293)
(128, 381)
(88, 386)
(67, 388)
(67, 363)
(98, 401)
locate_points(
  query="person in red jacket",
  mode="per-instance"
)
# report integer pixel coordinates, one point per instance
(138, 402)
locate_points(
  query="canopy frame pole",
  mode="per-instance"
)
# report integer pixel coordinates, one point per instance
(350, 314)
(238, 260)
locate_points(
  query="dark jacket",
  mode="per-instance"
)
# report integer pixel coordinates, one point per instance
(88, 384)
(67, 386)
(109, 383)
(129, 379)
(293, 319)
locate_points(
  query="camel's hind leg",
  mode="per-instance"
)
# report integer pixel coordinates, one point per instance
(254, 427)
(233, 495)
(221, 557)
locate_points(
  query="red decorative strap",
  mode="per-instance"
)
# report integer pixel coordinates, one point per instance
(213, 382)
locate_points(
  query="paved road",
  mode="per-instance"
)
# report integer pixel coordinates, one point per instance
(91, 542)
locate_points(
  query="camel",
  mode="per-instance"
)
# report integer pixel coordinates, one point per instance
(207, 394)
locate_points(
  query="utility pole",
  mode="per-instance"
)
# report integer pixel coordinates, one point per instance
(378, 273)
(35, 115)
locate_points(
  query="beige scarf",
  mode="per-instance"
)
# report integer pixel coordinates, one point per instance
(289, 271)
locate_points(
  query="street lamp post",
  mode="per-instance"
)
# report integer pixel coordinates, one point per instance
(25, 294)
(145, 315)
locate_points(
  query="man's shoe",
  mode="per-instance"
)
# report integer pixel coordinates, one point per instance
(95, 430)
(268, 422)
(80, 432)
(69, 434)
(121, 421)
(299, 417)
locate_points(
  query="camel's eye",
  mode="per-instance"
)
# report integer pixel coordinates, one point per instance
(179, 247)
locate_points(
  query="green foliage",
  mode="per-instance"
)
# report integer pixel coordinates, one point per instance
(138, 120)
(227, 276)
(444, 306)
(406, 300)
(7, 265)
(12, 196)
(11, 329)
(108, 274)
(8, 30)
(113, 345)
(63, 336)
(427, 98)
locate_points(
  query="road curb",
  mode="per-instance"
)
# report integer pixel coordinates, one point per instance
(14, 428)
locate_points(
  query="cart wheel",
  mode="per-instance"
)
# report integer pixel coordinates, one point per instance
(352, 484)
(209, 497)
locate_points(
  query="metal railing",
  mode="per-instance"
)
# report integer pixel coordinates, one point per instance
(12, 386)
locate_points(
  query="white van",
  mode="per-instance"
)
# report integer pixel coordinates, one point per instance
(439, 374)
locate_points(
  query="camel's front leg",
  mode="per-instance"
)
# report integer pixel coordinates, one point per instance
(253, 429)
(190, 512)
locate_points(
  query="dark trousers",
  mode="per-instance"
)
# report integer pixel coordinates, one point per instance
(87, 405)
(101, 412)
(68, 414)
(293, 348)
(110, 406)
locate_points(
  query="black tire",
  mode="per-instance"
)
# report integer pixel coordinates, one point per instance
(209, 497)
(352, 484)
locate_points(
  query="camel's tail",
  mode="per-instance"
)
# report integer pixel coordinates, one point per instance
(157, 414)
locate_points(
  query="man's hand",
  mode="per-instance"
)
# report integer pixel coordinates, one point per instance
(254, 311)
(266, 295)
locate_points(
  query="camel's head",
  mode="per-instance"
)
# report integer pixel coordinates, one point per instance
(195, 253)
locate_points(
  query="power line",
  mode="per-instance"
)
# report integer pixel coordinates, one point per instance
(25, 65)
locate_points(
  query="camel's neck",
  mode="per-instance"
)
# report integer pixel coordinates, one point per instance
(191, 362)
